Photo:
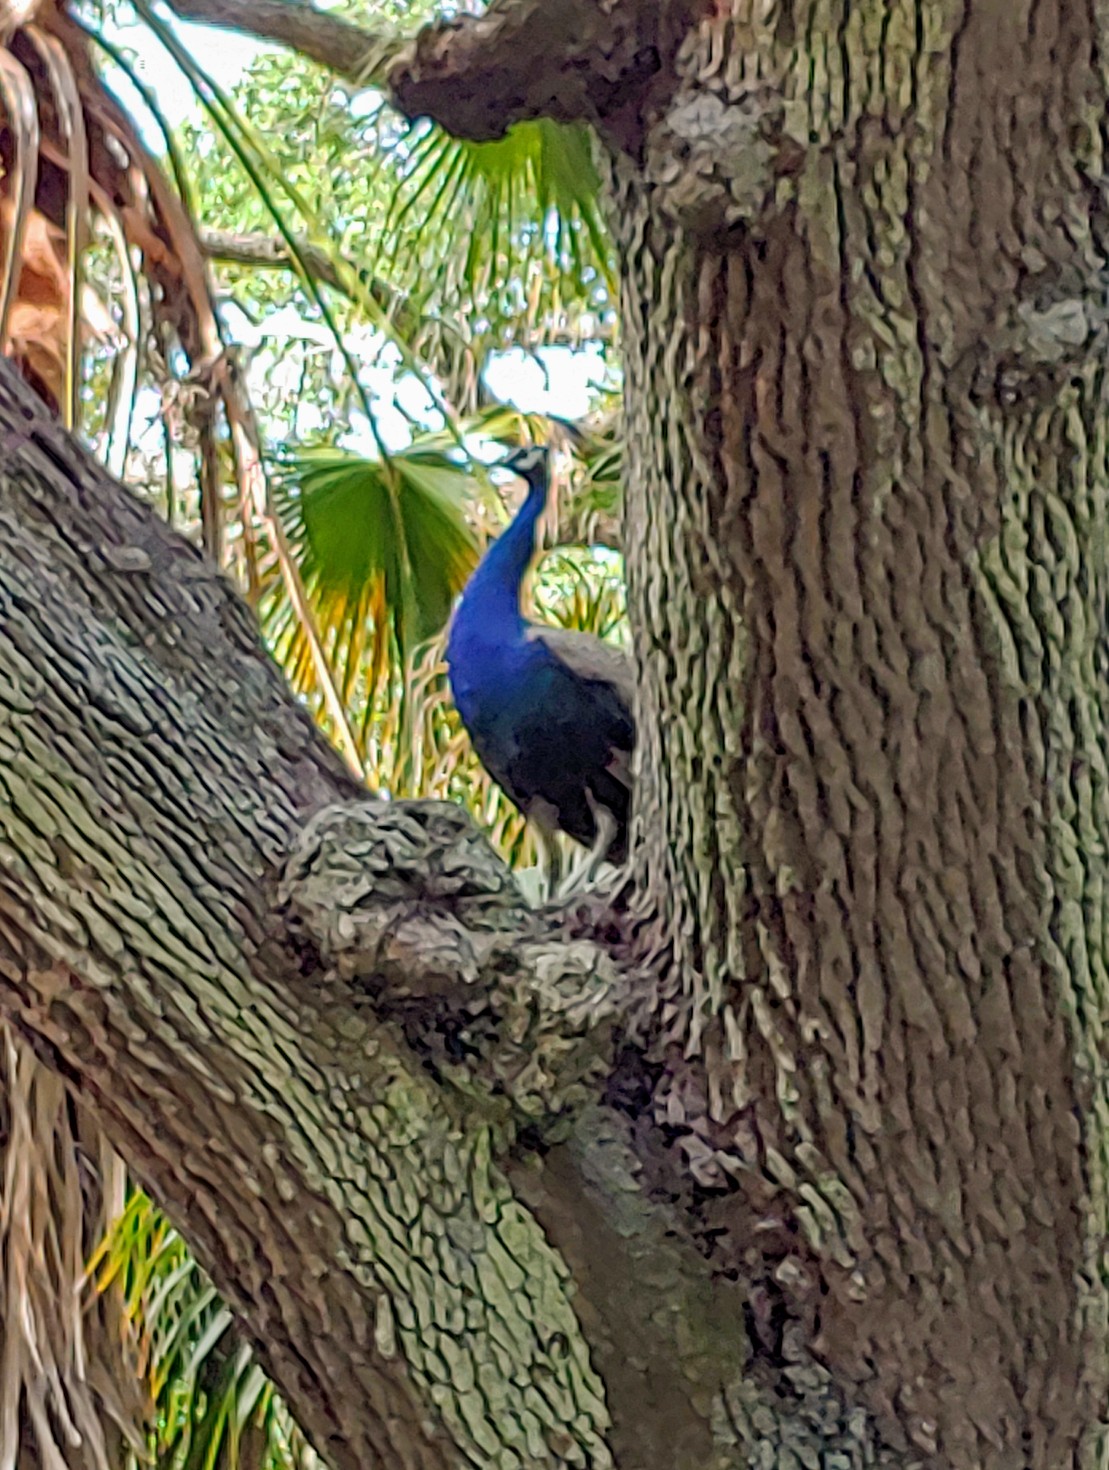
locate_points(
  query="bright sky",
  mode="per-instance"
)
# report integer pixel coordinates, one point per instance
(225, 55)
(558, 382)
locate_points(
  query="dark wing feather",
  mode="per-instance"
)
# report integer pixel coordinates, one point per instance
(609, 673)
(590, 657)
(596, 662)
(555, 728)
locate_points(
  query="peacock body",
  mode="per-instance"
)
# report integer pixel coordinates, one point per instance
(549, 712)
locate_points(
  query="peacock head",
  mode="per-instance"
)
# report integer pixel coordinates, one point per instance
(531, 464)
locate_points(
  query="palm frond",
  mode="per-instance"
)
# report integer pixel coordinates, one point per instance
(69, 1394)
(215, 1409)
(18, 97)
(366, 547)
(494, 190)
(71, 119)
(505, 239)
(269, 180)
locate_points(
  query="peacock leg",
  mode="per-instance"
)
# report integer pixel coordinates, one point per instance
(552, 860)
(584, 875)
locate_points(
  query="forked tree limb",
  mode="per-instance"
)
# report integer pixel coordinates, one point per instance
(606, 62)
(714, 159)
(311, 1022)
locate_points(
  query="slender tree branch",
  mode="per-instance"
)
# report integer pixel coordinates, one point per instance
(267, 252)
(264, 252)
(271, 252)
(347, 50)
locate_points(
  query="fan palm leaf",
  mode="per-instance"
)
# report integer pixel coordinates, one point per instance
(504, 239)
(383, 549)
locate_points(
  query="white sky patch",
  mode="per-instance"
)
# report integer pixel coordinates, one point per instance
(224, 55)
(555, 380)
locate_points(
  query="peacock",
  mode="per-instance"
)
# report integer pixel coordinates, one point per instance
(549, 711)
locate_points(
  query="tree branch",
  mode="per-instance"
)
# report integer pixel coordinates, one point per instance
(270, 252)
(154, 777)
(410, 903)
(347, 50)
(609, 64)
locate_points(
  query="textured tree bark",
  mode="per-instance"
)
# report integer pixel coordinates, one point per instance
(326, 38)
(863, 313)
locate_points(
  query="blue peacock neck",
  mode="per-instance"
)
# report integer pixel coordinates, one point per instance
(489, 612)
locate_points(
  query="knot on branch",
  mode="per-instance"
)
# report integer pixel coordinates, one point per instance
(361, 877)
(410, 907)
(1047, 334)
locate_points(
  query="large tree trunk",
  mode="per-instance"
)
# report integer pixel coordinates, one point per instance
(863, 312)
(866, 521)
(794, 1157)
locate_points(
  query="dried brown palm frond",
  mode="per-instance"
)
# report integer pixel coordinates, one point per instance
(39, 324)
(72, 147)
(70, 1395)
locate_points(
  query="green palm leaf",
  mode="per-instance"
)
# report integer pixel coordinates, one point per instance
(357, 530)
(215, 1409)
(383, 550)
(505, 238)
(508, 184)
